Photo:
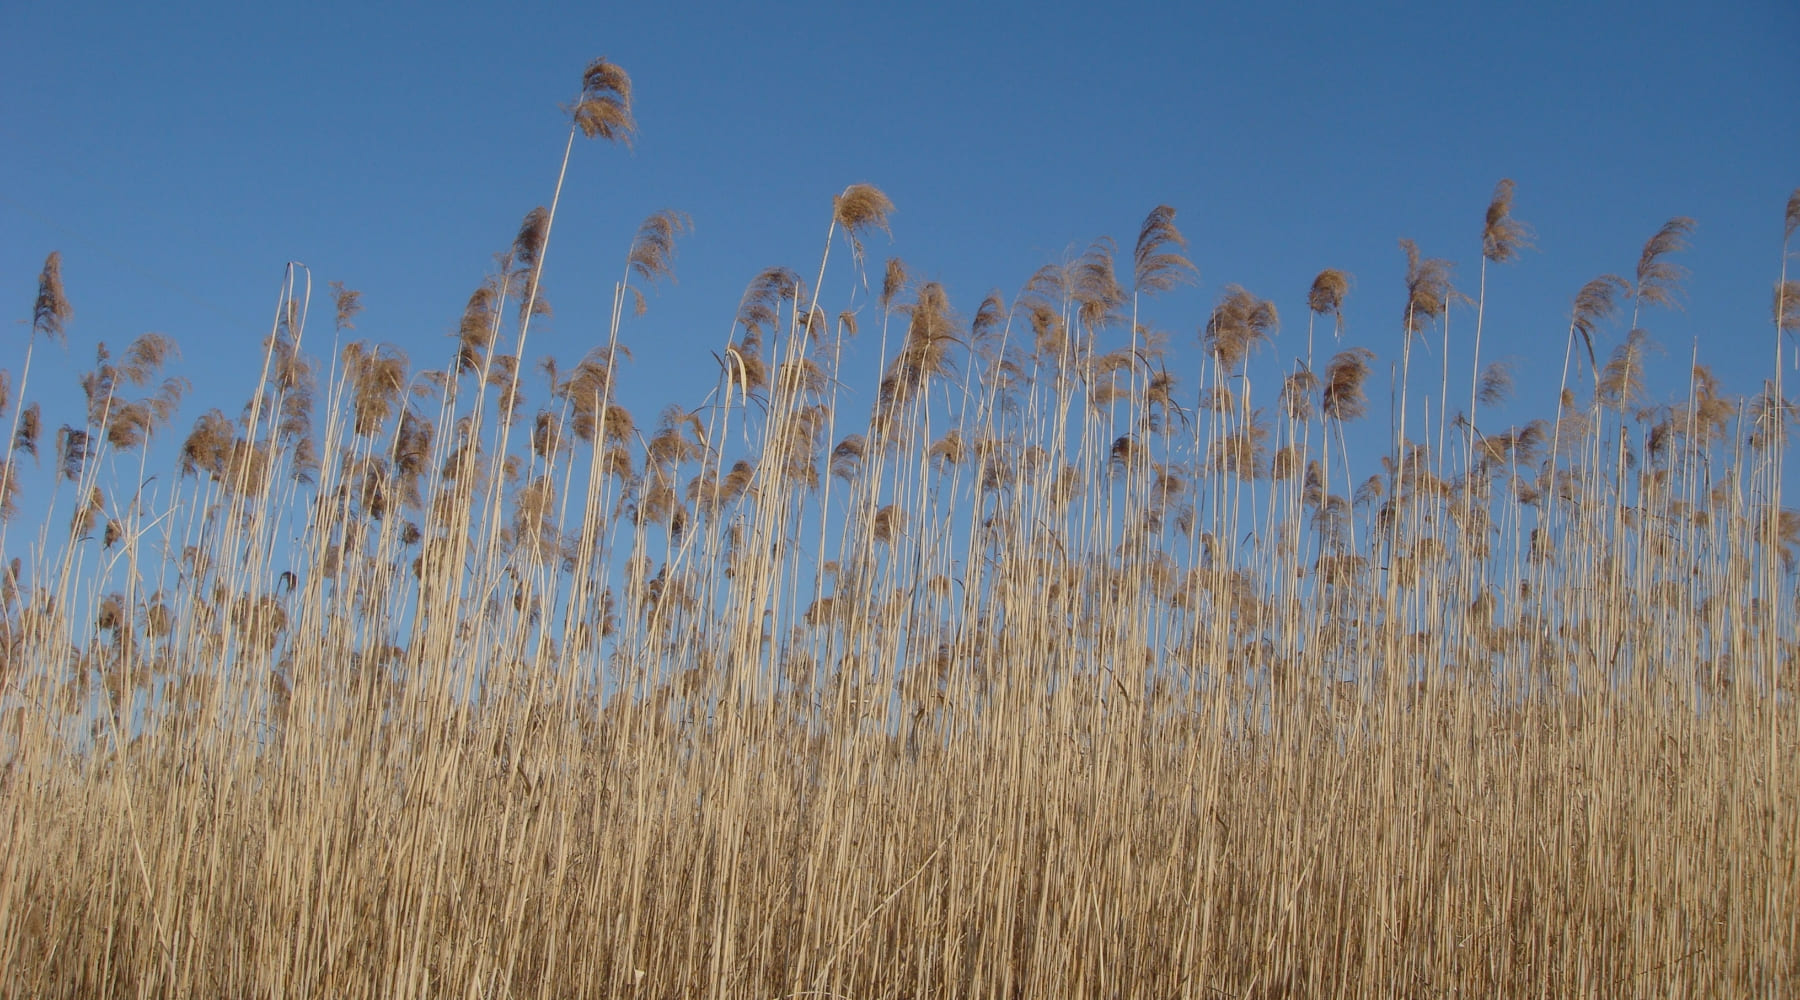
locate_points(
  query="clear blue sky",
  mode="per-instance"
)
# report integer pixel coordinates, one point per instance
(178, 155)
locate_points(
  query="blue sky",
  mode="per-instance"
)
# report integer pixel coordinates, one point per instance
(179, 157)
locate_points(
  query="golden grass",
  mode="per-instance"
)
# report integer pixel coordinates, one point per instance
(1038, 678)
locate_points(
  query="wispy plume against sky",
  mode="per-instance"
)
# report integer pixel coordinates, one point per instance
(179, 157)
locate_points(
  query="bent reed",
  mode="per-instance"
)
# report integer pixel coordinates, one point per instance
(1062, 662)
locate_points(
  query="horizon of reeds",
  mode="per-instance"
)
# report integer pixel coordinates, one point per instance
(1039, 673)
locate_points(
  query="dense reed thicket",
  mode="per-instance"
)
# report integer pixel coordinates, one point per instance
(1053, 660)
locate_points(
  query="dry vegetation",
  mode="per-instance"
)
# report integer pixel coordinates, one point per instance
(1038, 671)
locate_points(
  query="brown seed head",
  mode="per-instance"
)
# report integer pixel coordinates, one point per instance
(1597, 300)
(1659, 280)
(1327, 295)
(30, 426)
(534, 231)
(925, 354)
(52, 310)
(475, 334)
(893, 282)
(1297, 394)
(1496, 383)
(347, 303)
(1428, 289)
(653, 251)
(989, 317)
(1622, 380)
(1239, 323)
(1785, 306)
(1343, 398)
(604, 107)
(858, 209)
(1095, 286)
(1503, 236)
(760, 307)
(1158, 263)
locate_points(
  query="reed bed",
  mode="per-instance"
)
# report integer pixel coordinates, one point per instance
(1055, 658)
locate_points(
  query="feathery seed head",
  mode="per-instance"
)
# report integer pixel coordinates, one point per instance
(475, 334)
(1343, 398)
(603, 108)
(1327, 294)
(1659, 280)
(760, 307)
(1428, 289)
(1621, 382)
(1238, 325)
(989, 317)
(653, 251)
(1503, 236)
(346, 304)
(52, 310)
(1158, 263)
(528, 246)
(1496, 383)
(1785, 306)
(893, 282)
(1598, 300)
(30, 426)
(858, 209)
(1297, 394)
(1095, 286)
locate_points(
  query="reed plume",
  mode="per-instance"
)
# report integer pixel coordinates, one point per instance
(345, 303)
(759, 309)
(860, 208)
(1094, 284)
(893, 282)
(1239, 323)
(652, 254)
(603, 108)
(1495, 383)
(475, 333)
(1621, 382)
(1326, 298)
(1159, 261)
(25, 438)
(1784, 306)
(377, 376)
(1659, 279)
(1428, 289)
(1343, 396)
(527, 261)
(925, 353)
(52, 311)
(528, 245)
(1597, 301)
(1297, 392)
(1503, 236)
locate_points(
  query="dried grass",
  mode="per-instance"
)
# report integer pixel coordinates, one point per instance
(1062, 693)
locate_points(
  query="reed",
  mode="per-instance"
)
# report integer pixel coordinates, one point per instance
(1012, 668)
